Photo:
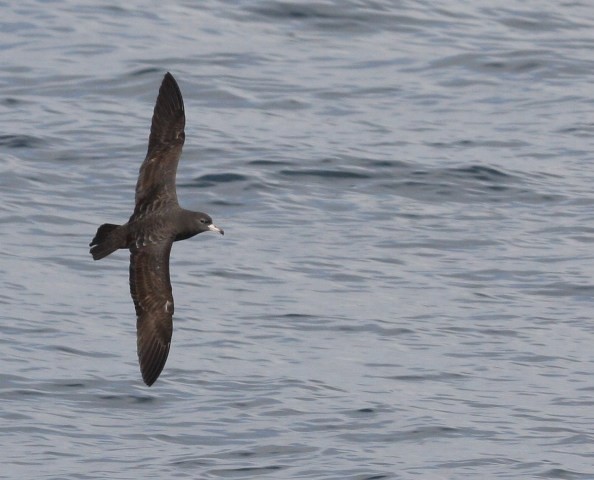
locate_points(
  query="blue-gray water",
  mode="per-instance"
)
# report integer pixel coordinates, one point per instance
(404, 290)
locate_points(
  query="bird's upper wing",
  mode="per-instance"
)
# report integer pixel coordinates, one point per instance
(156, 181)
(151, 291)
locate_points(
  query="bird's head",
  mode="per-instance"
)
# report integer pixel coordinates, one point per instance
(204, 223)
(193, 223)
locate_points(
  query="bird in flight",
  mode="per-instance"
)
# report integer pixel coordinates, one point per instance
(156, 223)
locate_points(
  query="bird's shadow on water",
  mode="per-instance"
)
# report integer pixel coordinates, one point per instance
(94, 390)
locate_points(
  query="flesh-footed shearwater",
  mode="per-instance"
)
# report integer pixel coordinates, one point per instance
(156, 223)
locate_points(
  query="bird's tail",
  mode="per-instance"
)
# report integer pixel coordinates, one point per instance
(108, 239)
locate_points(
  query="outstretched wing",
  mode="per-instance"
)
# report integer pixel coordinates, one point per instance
(151, 291)
(156, 181)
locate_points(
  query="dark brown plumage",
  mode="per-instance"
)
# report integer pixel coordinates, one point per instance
(156, 223)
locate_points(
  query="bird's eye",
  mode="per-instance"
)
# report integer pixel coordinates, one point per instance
(203, 220)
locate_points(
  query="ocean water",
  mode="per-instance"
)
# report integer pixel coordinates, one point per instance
(404, 289)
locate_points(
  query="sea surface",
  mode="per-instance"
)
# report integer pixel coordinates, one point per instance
(405, 286)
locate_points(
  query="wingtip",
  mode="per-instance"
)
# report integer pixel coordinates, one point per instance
(168, 77)
(170, 95)
(152, 357)
(149, 377)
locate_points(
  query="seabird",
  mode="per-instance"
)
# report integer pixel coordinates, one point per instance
(156, 223)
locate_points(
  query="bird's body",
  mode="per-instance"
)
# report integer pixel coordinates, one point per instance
(156, 223)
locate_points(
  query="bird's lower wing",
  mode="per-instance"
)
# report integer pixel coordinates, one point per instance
(151, 291)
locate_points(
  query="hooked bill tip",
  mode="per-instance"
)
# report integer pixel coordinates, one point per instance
(214, 228)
